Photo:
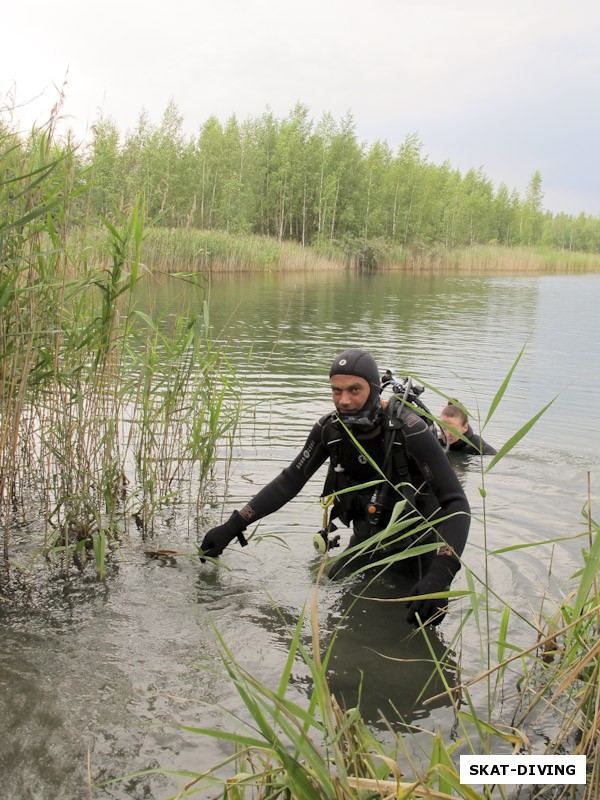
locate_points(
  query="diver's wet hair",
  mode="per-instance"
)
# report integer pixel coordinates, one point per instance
(455, 411)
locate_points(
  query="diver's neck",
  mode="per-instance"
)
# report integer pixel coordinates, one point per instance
(371, 434)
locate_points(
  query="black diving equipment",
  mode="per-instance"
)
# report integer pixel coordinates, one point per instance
(322, 542)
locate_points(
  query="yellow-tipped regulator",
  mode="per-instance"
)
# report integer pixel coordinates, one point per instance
(321, 541)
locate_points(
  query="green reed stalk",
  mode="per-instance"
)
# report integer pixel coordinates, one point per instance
(70, 374)
(33, 184)
(287, 750)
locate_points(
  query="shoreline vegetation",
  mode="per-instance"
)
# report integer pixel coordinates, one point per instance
(109, 416)
(280, 195)
(171, 250)
(298, 194)
(314, 183)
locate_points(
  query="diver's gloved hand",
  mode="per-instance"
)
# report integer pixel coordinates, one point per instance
(217, 539)
(438, 578)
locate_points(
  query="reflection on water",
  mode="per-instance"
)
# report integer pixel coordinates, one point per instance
(383, 664)
(377, 660)
(112, 672)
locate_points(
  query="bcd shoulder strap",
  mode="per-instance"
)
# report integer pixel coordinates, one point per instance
(395, 465)
(399, 410)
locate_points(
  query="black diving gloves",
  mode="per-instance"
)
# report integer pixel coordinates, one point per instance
(438, 578)
(217, 539)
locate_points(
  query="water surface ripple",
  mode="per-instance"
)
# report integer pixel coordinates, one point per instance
(108, 672)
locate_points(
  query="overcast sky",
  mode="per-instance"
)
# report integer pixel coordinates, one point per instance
(511, 86)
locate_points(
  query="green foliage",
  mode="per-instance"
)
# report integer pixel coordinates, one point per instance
(103, 417)
(311, 182)
(299, 180)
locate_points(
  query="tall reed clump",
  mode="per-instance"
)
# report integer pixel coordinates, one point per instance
(185, 249)
(301, 751)
(173, 250)
(103, 418)
(494, 258)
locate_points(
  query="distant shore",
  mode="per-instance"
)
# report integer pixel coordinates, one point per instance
(172, 250)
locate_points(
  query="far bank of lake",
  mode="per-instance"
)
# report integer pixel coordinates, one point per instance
(175, 250)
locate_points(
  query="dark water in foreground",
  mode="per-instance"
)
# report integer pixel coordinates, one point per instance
(101, 675)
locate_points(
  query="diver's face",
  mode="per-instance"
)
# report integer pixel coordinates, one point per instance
(454, 422)
(349, 393)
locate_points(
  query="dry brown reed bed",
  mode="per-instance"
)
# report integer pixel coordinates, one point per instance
(214, 252)
(513, 260)
(177, 250)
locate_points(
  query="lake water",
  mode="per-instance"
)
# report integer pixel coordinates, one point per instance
(103, 674)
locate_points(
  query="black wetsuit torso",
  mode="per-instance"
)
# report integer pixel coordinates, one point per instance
(438, 494)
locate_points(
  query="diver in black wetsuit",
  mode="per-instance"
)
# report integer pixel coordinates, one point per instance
(403, 446)
(454, 419)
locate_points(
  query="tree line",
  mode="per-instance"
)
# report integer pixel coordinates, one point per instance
(314, 183)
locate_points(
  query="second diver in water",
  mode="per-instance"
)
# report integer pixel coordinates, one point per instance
(455, 421)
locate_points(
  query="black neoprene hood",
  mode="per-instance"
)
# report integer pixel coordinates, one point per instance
(356, 362)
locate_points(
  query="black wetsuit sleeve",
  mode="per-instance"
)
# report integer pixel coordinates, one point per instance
(431, 461)
(290, 480)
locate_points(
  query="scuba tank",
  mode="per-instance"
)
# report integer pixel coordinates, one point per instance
(410, 394)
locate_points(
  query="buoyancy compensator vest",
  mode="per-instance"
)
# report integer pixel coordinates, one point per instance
(388, 452)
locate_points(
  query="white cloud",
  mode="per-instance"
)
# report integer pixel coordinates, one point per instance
(502, 85)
